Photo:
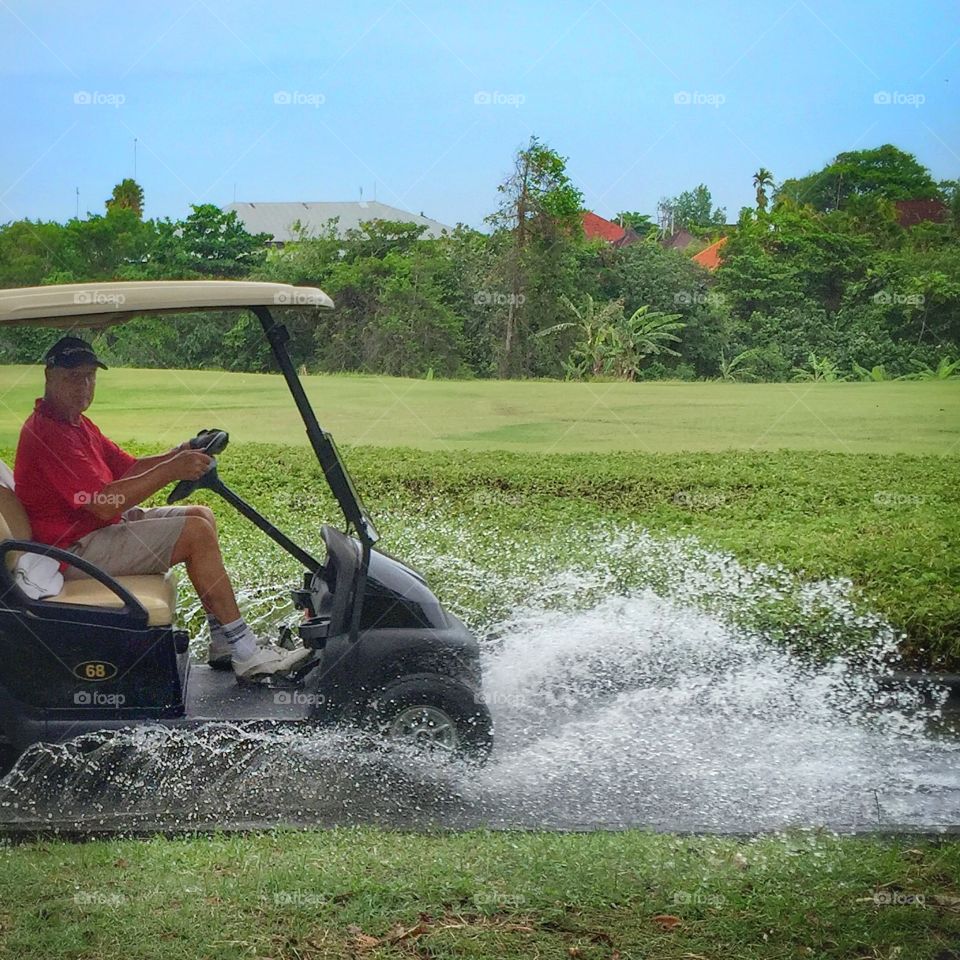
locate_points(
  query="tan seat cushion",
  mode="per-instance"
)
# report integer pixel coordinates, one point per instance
(14, 524)
(158, 594)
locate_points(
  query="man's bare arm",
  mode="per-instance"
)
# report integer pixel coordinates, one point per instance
(148, 463)
(129, 490)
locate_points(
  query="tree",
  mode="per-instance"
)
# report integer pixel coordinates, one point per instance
(762, 179)
(612, 344)
(595, 327)
(646, 333)
(540, 209)
(107, 247)
(883, 171)
(641, 223)
(127, 195)
(29, 251)
(693, 210)
(209, 242)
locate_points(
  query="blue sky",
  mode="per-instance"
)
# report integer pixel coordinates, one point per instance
(429, 100)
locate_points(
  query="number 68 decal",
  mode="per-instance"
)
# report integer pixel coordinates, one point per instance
(95, 670)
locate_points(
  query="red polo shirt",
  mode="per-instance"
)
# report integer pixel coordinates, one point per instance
(61, 466)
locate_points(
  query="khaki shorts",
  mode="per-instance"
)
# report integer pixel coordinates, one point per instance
(142, 542)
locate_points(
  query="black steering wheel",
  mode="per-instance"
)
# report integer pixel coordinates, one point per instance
(210, 442)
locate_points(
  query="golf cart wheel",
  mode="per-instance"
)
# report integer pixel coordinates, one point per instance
(438, 713)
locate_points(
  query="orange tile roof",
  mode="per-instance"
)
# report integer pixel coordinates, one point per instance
(710, 257)
(595, 227)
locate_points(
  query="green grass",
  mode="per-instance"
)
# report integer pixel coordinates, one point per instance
(533, 416)
(366, 893)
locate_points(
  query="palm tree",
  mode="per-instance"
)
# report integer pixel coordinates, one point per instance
(728, 368)
(596, 324)
(946, 369)
(610, 344)
(818, 370)
(645, 334)
(762, 179)
(127, 194)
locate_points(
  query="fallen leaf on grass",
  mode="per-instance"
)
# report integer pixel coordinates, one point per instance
(361, 940)
(401, 934)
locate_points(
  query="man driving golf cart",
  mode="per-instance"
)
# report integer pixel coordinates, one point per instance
(82, 492)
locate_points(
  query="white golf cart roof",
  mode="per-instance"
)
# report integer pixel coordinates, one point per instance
(98, 305)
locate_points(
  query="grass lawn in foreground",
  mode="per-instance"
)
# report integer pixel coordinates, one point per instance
(164, 406)
(366, 893)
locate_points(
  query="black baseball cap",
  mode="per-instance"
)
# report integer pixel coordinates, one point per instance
(72, 352)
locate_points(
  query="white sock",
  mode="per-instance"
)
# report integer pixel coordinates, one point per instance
(243, 642)
(216, 629)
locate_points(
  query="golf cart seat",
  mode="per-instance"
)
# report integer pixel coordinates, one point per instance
(156, 593)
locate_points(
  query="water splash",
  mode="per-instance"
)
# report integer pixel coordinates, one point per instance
(635, 684)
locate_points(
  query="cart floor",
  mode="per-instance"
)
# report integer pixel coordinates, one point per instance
(215, 694)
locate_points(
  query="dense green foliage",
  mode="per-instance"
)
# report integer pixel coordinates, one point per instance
(825, 284)
(884, 172)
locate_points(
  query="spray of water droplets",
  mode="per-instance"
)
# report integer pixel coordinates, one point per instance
(633, 680)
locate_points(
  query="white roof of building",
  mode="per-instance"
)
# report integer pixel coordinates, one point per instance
(103, 304)
(277, 219)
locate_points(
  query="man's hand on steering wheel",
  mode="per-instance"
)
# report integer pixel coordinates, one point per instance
(189, 465)
(194, 463)
(213, 437)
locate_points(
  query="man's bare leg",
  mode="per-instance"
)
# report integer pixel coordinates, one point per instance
(199, 548)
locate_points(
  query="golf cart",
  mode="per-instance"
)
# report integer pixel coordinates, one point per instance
(106, 652)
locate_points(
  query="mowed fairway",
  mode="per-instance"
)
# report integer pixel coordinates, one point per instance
(164, 406)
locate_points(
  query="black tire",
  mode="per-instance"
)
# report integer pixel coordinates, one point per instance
(417, 706)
